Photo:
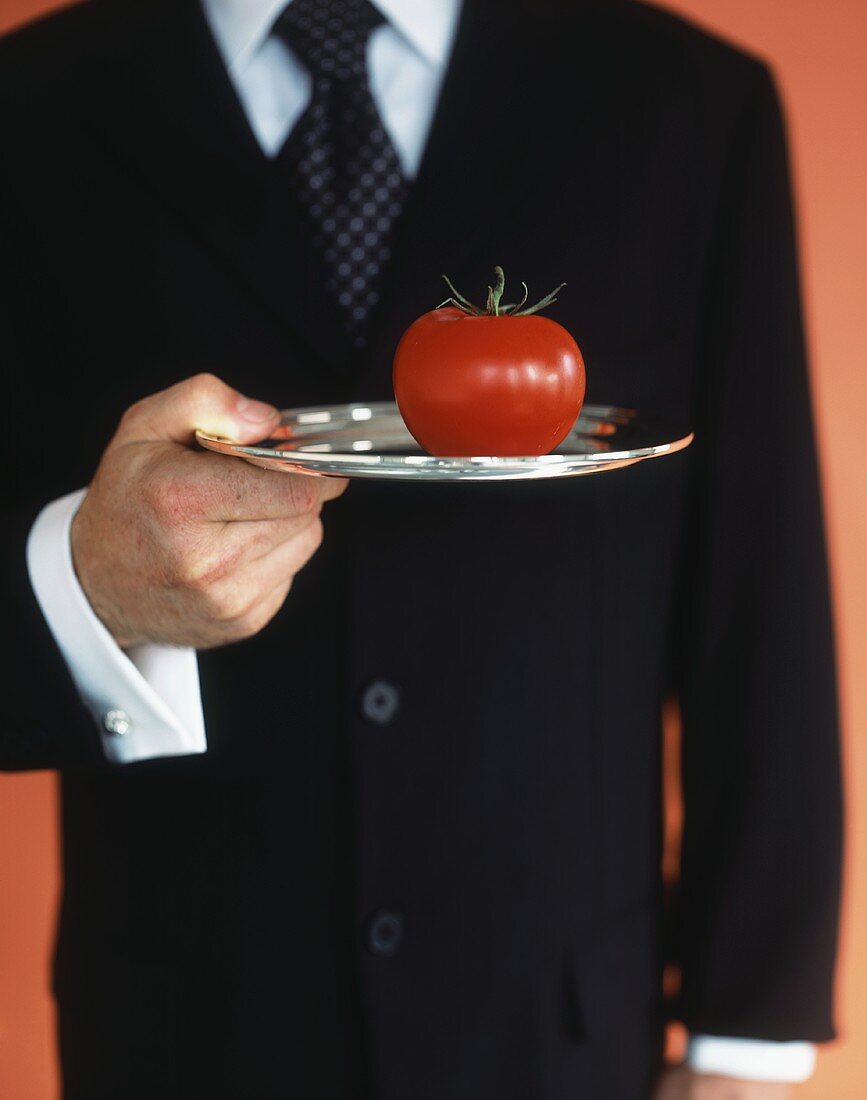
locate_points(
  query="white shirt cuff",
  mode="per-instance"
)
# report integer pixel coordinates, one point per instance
(751, 1059)
(146, 701)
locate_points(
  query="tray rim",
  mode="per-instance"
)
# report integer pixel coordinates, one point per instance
(397, 466)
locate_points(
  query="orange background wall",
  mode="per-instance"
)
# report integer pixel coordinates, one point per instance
(819, 51)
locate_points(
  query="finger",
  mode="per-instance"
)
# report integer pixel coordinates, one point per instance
(332, 487)
(281, 564)
(329, 485)
(238, 596)
(249, 540)
(250, 495)
(202, 401)
(205, 487)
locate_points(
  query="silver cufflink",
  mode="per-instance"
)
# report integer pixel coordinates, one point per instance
(116, 722)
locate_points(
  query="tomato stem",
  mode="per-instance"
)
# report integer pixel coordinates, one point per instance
(459, 300)
(493, 308)
(548, 300)
(495, 293)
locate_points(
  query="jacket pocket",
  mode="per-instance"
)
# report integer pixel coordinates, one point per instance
(614, 975)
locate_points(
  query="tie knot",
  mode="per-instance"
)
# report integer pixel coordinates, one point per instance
(330, 36)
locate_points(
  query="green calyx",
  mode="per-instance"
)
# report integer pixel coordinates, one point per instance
(495, 295)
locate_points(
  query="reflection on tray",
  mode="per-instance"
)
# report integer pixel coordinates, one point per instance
(602, 430)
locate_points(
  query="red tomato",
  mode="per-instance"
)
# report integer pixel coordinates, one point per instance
(488, 385)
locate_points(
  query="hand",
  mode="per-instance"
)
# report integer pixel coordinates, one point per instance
(186, 547)
(681, 1083)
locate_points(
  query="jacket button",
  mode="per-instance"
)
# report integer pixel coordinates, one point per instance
(380, 702)
(385, 933)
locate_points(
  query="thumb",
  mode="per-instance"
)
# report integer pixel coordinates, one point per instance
(201, 402)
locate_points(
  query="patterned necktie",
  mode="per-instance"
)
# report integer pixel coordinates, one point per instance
(343, 165)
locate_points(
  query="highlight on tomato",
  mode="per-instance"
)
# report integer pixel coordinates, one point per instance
(498, 381)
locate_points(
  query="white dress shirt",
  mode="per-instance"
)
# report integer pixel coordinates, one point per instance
(146, 700)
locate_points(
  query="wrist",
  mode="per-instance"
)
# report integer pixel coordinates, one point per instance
(86, 573)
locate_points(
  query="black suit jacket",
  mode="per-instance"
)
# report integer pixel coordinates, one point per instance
(219, 932)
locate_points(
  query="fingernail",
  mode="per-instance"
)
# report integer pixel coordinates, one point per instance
(255, 411)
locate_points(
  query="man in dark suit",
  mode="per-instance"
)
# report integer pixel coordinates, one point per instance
(402, 839)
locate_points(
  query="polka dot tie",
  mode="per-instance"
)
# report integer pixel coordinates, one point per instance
(343, 165)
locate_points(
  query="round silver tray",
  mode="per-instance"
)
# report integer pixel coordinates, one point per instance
(372, 441)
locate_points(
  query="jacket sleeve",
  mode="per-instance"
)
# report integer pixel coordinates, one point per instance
(753, 665)
(43, 722)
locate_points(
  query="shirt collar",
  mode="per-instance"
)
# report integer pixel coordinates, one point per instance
(241, 26)
(428, 25)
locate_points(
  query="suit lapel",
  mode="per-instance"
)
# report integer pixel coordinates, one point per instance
(182, 126)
